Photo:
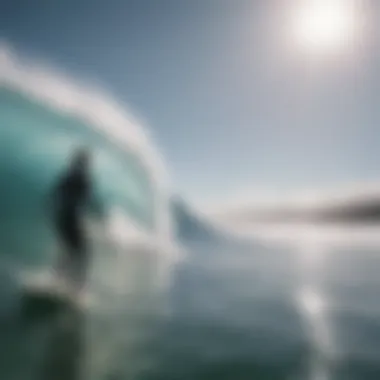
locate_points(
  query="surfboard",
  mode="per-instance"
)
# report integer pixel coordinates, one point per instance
(47, 290)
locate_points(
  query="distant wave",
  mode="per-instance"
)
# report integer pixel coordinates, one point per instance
(345, 202)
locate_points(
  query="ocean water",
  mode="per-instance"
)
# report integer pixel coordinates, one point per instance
(276, 310)
(260, 311)
(285, 304)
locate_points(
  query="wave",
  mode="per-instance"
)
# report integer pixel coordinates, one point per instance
(56, 113)
(50, 99)
(44, 115)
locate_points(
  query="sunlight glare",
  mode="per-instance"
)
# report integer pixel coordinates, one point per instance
(324, 24)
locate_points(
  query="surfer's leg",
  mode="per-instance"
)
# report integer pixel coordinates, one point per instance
(81, 269)
(79, 259)
(65, 268)
(63, 261)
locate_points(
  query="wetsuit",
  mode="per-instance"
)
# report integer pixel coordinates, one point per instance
(71, 197)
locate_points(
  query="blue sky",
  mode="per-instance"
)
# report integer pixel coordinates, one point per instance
(231, 102)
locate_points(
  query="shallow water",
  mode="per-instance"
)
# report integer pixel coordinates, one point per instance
(263, 311)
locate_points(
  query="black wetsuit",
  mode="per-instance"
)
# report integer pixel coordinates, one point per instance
(71, 197)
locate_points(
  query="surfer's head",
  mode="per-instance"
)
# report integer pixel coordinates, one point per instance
(81, 160)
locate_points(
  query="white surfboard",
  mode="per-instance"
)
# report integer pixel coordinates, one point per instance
(48, 287)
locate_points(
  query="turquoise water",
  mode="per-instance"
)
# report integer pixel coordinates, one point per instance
(36, 144)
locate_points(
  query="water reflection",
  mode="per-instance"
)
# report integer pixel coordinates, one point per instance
(305, 313)
(312, 307)
(64, 356)
(49, 340)
(334, 267)
(42, 343)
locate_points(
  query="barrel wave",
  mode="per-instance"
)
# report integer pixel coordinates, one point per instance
(44, 117)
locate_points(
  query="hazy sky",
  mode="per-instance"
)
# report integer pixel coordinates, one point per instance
(233, 100)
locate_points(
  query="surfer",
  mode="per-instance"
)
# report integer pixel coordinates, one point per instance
(71, 196)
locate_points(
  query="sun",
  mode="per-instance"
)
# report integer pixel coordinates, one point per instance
(324, 24)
